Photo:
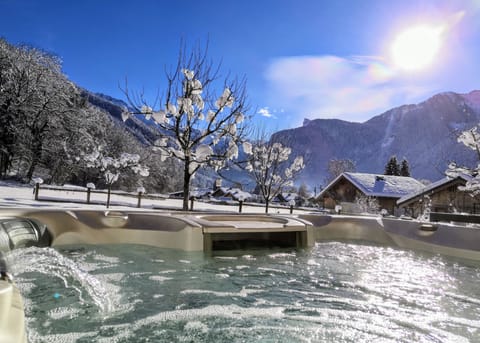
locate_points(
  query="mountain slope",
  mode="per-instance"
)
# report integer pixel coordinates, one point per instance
(146, 133)
(425, 134)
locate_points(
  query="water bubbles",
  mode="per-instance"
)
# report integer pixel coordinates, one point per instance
(332, 292)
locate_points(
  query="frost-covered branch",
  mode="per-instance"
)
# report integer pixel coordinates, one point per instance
(471, 139)
(198, 127)
(270, 166)
(112, 167)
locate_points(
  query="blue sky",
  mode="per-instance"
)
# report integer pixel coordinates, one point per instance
(302, 58)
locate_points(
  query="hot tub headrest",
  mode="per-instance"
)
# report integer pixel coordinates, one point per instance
(21, 232)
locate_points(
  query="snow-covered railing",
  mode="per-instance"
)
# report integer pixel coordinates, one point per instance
(66, 194)
(454, 217)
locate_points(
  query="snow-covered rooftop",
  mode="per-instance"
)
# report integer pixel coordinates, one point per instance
(236, 193)
(431, 187)
(376, 185)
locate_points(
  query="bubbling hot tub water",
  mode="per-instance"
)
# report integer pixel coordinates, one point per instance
(334, 292)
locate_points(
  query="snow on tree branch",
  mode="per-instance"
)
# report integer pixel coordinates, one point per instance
(471, 139)
(112, 167)
(198, 127)
(270, 168)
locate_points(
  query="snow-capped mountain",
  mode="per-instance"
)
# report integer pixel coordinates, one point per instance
(145, 132)
(425, 134)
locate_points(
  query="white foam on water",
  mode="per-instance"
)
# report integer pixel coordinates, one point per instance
(272, 270)
(244, 292)
(222, 276)
(333, 323)
(169, 271)
(35, 337)
(50, 262)
(159, 278)
(370, 302)
(282, 255)
(117, 277)
(139, 273)
(62, 312)
(109, 259)
(242, 267)
(196, 326)
(463, 298)
(226, 258)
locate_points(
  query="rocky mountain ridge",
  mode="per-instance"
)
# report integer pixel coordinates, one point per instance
(425, 134)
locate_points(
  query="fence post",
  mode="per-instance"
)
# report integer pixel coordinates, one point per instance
(108, 194)
(38, 181)
(192, 199)
(140, 191)
(90, 186)
(292, 203)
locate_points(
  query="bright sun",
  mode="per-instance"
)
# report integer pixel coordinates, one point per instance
(417, 47)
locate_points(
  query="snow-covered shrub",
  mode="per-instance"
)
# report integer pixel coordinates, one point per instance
(471, 139)
(367, 204)
(270, 167)
(427, 209)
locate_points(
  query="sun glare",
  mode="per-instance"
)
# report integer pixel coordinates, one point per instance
(417, 47)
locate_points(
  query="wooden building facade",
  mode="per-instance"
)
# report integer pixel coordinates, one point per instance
(386, 189)
(441, 196)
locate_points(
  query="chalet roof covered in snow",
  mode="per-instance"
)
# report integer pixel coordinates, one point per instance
(375, 185)
(235, 193)
(432, 187)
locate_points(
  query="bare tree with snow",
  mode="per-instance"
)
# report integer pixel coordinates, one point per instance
(271, 168)
(337, 167)
(199, 128)
(112, 167)
(471, 139)
(37, 104)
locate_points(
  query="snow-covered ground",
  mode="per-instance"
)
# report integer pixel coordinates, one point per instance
(17, 195)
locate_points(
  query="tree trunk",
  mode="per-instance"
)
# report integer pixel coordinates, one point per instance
(4, 164)
(36, 155)
(108, 194)
(186, 184)
(266, 205)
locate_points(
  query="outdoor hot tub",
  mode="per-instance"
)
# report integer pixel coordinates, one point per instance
(103, 276)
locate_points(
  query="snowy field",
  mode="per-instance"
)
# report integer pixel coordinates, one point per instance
(18, 195)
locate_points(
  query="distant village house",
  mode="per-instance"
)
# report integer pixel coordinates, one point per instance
(386, 189)
(440, 196)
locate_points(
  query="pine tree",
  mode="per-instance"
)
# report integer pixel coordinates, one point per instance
(404, 168)
(392, 167)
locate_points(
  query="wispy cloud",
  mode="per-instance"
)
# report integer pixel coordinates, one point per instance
(265, 112)
(357, 87)
(352, 88)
